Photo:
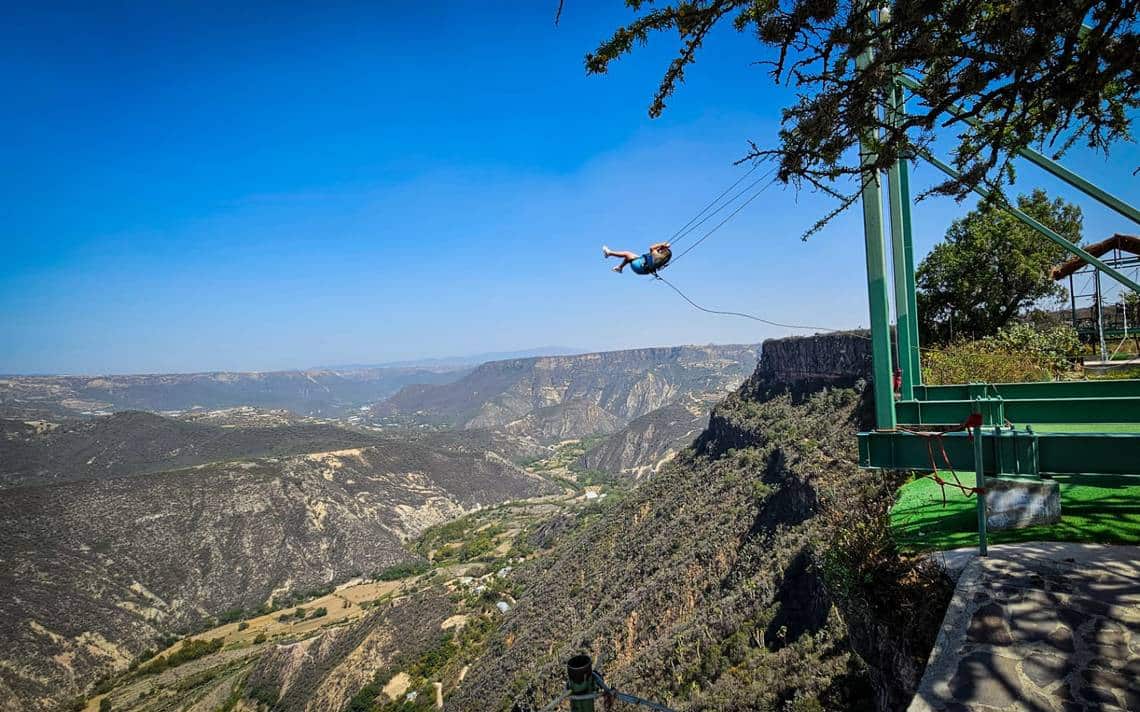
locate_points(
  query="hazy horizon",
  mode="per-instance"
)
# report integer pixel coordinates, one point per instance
(449, 362)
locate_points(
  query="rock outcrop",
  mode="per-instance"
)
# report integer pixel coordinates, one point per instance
(640, 448)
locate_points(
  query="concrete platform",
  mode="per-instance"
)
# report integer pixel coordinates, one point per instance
(1043, 627)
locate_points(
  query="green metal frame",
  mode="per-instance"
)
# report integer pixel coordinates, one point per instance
(999, 411)
(1050, 389)
(1006, 452)
(992, 447)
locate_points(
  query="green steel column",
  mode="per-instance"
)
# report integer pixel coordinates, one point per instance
(908, 248)
(980, 471)
(875, 246)
(898, 263)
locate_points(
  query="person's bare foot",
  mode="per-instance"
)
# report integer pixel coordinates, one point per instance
(618, 268)
(606, 251)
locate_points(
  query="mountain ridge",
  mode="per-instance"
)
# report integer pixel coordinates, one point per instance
(632, 383)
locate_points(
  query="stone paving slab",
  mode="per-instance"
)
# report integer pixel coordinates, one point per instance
(1046, 627)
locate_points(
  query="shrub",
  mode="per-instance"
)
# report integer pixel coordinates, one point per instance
(319, 613)
(1055, 346)
(105, 704)
(1017, 353)
(260, 638)
(402, 570)
(243, 625)
(363, 700)
(264, 695)
(190, 650)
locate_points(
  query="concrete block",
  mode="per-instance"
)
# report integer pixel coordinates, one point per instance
(1013, 504)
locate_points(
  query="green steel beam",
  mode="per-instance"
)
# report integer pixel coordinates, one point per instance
(1119, 409)
(1006, 452)
(1073, 179)
(877, 299)
(914, 352)
(1047, 389)
(1047, 232)
(903, 318)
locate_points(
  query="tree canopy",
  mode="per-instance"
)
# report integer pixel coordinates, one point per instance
(1027, 74)
(991, 267)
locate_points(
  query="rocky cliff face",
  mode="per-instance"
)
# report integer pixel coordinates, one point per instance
(620, 385)
(94, 571)
(698, 589)
(806, 363)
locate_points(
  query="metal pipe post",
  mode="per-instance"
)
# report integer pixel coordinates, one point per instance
(980, 483)
(1100, 319)
(1073, 300)
(580, 683)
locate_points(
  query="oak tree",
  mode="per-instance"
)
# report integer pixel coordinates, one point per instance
(991, 267)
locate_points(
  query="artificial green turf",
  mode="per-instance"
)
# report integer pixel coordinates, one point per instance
(1093, 509)
(1085, 427)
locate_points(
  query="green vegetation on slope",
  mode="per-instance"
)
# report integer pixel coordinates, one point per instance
(191, 650)
(703, 587)
(1093, 509)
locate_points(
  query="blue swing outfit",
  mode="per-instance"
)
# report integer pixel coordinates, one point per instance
(644, 264)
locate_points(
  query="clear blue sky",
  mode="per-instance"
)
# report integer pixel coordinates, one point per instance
(201, 186)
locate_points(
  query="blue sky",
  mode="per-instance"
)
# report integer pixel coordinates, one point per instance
(242, 186)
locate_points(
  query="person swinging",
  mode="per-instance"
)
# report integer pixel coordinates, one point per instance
(658, 256)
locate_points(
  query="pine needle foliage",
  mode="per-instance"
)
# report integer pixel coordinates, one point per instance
(1026, 74)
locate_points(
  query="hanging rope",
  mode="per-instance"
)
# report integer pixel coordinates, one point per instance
(968, 425)
(689, 226)
(728, 217)
(747, 316)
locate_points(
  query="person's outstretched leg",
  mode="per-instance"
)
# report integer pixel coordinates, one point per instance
(626, 257)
